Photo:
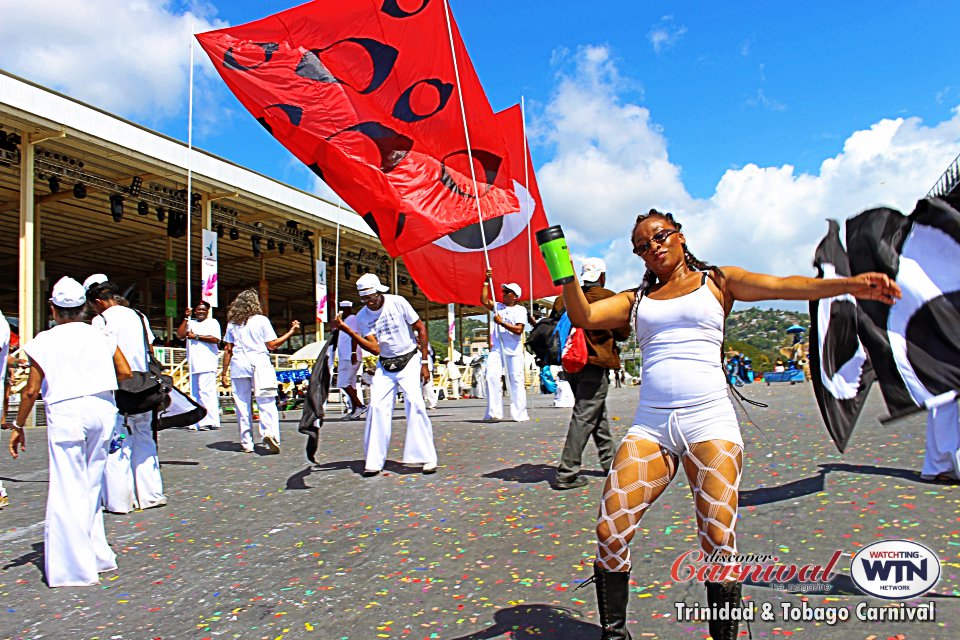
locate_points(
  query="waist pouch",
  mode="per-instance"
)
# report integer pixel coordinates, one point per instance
(396, 363)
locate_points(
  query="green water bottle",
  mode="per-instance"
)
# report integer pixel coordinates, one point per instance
(553, 246)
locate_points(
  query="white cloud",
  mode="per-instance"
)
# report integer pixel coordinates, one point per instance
(609, 159)
(611, 162)
(130, 58)
(665, 34)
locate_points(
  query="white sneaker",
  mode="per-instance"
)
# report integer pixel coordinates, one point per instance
(430, 467)
(272, 444)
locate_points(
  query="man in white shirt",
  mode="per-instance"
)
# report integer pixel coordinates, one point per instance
(132, 480)
(348, 361)
(390, 328)
(506, 352)
(202, 333)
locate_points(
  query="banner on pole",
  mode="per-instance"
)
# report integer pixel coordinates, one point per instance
(170, 289)
(208, 268)
(451, 323)
(321, 291)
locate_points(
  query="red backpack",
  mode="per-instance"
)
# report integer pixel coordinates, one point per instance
(574, 356)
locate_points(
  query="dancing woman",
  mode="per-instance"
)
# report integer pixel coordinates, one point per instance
(684, 416)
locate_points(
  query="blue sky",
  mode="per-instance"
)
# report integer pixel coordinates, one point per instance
(752, 121)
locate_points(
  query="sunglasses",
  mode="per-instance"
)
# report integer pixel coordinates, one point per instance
(659, 238)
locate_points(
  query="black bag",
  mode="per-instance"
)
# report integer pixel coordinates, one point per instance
(146, 390)
(544, 342)
(396, 363)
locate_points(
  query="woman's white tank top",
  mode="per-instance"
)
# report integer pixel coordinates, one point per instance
(681, 341)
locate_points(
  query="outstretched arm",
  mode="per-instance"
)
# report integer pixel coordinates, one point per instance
(750, 287)
(609, 313)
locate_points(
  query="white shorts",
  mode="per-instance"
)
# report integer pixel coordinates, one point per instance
(677, 429)
(347, 375)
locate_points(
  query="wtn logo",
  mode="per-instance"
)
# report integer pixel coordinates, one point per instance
(895, 569)
(903, 570)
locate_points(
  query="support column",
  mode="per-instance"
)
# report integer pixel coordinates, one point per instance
(264, 287)
(169, 320)
(28, 243)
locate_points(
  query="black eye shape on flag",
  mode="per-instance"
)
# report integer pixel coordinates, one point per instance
(497, 231)
(915, 343)
(924, 326)
(267, 49)
(382, 58)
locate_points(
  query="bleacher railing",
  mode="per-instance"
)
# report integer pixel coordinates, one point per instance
(948, 181)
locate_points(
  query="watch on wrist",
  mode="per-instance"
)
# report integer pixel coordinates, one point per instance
(424, 361)
(16, 426)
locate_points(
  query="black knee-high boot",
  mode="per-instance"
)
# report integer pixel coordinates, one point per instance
(720, 595)
(613, 592)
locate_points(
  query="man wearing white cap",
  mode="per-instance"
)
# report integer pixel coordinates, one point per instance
(388, 326)
(590, 386)
(132, 480)
(348, 360)
(506, 352)
(75, 367)
(202, 333)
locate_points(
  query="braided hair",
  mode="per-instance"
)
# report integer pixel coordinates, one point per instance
(649, 277)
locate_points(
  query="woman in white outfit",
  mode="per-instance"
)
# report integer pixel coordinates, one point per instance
(246, 356)
(75, 367)
(685, 416)
(132, 480)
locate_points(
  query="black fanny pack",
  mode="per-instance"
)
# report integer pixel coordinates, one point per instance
(396, 363)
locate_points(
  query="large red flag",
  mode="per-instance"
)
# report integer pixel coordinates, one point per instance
(364, 92)
(452, 268)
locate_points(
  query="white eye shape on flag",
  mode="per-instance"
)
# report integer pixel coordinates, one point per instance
(929, 276)
(841, 379)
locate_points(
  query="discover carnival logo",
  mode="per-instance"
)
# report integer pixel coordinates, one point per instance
(895, 569)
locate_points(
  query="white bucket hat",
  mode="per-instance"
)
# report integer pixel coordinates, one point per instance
(68, 293)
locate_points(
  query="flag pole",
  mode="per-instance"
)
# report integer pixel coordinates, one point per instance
(189, 199)
(526, 186)
(336, 277)
(466, 133)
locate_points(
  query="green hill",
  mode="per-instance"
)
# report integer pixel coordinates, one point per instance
(759, 333)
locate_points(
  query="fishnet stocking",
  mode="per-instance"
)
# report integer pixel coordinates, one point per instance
(641, 472)
(713, 469)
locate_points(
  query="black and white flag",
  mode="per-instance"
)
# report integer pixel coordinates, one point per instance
(840, 369)
(914, 344)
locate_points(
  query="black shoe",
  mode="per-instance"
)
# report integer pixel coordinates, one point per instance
(722, 595)
(576, 483)
(369, 473)
(613, 592)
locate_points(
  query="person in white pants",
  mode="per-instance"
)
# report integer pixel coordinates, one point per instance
(506, 352)
(75, 367)
(429, 392)
(941, 456)
(202, 334)
(246, 360)
(389, 327)
(132, 480)
(349, 357)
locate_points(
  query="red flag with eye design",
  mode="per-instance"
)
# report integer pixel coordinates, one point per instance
(365, 93)
(452, 268)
